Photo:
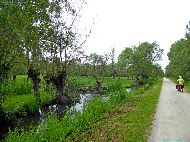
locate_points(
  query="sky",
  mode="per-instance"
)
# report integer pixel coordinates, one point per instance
(125, 23)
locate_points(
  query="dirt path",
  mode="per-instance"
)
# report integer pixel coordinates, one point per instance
(172, 119)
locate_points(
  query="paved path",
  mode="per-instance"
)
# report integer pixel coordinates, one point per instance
(172, 119)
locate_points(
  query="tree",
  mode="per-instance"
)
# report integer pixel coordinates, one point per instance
(140, 61)
(34, 21)
(98, 64)
(45, 34)
(179, 64)
(8, 40)
(124, 62)
(179, 59)
(112, 56)
(187, 34)
(63, 44)
(22, 30)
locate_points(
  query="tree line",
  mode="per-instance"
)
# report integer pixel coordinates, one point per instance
(179, 58)
(41, 40)
(39, 37)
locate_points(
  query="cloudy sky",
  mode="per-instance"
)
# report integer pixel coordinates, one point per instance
(124, 23)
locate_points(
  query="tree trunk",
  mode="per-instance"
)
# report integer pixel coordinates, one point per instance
(36, 87)
(98, 86)
(138, 81)
(47, 80)
(2, 115)
(61, 92)
(14, 77)
(60, 84)
(33, 74)
(114, 73)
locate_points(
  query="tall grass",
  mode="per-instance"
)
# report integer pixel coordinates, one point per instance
(24, 104)
(19, 87)
(19, 98)
(187, 86)
(123, 81)
(77, 82)
(129, 121)
(73, 123)
(69, 127)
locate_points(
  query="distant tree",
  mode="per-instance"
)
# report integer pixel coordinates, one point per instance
(187, 34)
(140, 61)
(19, 64)
(98, 65)
(124, 62)
(112, 56)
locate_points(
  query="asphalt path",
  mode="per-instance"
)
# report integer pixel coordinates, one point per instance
(172, 118)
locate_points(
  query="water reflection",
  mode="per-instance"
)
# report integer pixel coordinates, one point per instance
(128, 89)
(40, 116)
(83, 99)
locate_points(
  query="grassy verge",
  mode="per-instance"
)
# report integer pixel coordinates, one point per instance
(123, 117)
(187, 87)
(130, 121)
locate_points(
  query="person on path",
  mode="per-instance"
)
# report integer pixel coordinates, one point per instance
(180, 81)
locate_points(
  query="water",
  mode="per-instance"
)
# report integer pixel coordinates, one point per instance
(41, 115)
(83, 99)
(128, 89)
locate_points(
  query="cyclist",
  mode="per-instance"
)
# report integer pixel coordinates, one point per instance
(180, 82)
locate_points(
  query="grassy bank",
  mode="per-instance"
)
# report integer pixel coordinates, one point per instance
(130, 121)
(19, 98)
(125, 116)
(23, 104)
(187, 87)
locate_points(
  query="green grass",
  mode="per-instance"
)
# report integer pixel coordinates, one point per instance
(123, 117)
(19, 98)
(23, 104)
(20, 87)
(76, 82)
(122, 81)
(69, 127)
(187, 87)
(82, 81)
(129, 122)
